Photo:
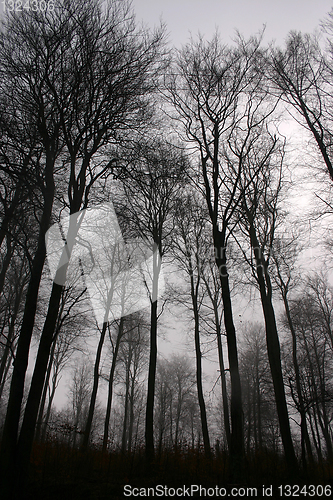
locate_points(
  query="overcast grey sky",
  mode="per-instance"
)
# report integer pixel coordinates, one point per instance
(248, 16)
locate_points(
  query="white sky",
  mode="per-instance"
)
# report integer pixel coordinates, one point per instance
(183, 17)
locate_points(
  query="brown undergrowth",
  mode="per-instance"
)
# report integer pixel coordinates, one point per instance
(58, 472)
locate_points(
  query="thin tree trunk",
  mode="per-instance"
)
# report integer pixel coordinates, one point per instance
(44, 394)
(110, 388)
(198, 355)
(124, 433)
(6, 370)
(259, 407)
(5, 262)
(87, 429)
(5, 355)
(223, 383)
(305, 439)
(274, 355)
(249, 426)
(48, 410)
(149, 430)
(131, 416)
(316, 437)
(149, 425)
(10, 336)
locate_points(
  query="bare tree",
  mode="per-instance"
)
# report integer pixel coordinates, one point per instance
(212, 89)
(213, 287)
(315, 353)
(257, 382)
(133, 356)
(71, 328)
(192, 245)
(303, 76)
(284, 254)
(79, 393)
(95, 74)
(119, 327)
(261, 185)
(32, 101)
(176, 407)
(152, 182)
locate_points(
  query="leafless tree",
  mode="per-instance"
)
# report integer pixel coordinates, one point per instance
(119, 329)
(91, 84)
(152, 182)
(257, 382)
(192, 244)
(71, 328)
(176, 407)
(212, 89)
(303, 75)
(262, 187)
(133, 355)
(284, 255)
(314, 352)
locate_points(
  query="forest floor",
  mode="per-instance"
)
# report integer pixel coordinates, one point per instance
(60, 473)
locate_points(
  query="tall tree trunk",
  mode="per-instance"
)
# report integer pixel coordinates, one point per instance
(44, 394)
(10, 432)
(125, 420)
(223, 381)
(92, 404)
(110, 387)
(27, 432)
(149, 429)
(149, 425)
(131, 415)
(198, 355)
(305, 439)
(236, 409)
(274, 353)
